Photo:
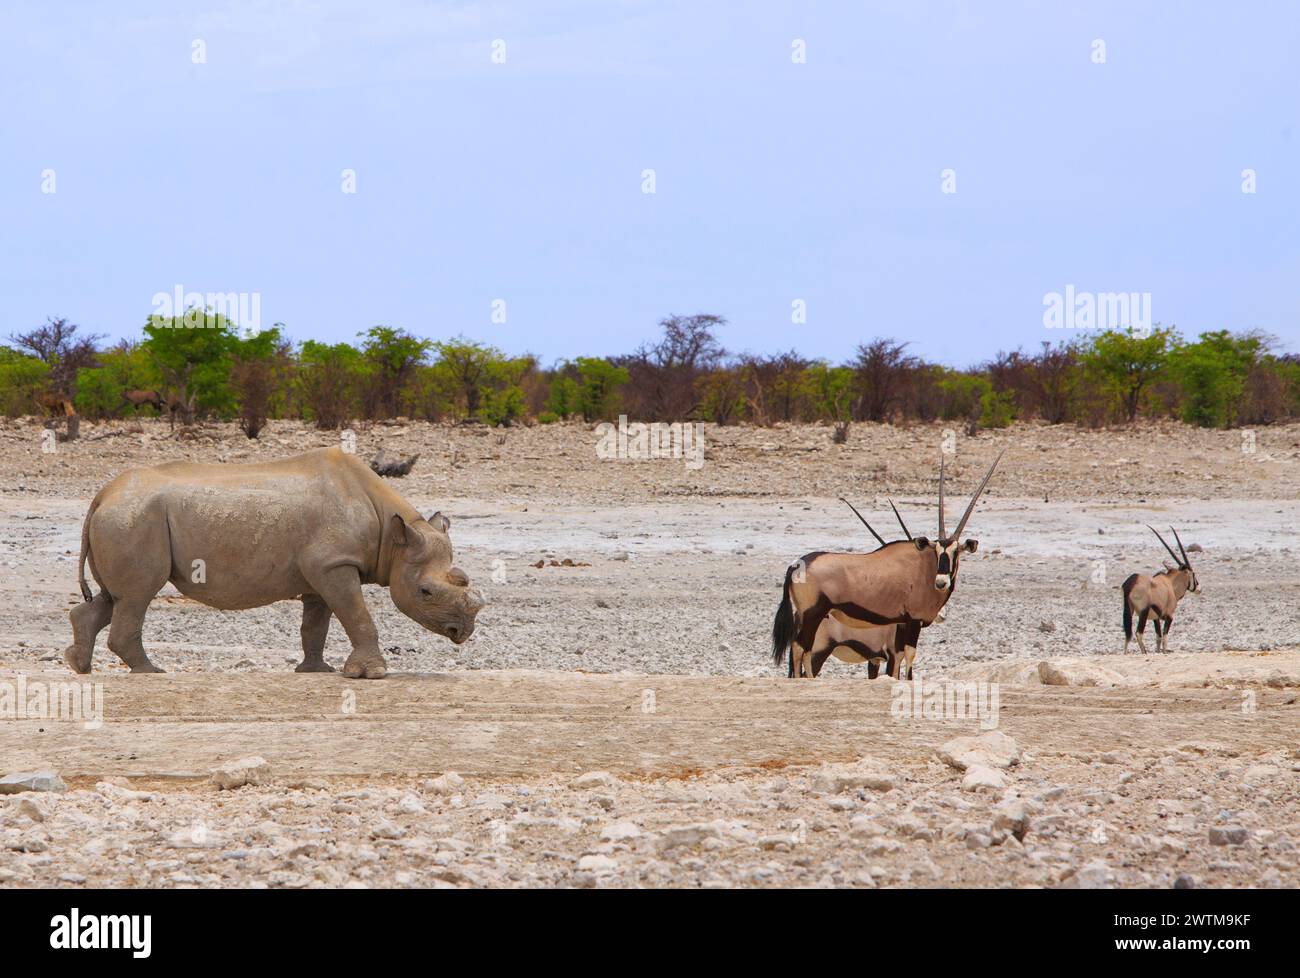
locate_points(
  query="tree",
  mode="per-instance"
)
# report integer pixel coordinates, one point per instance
(22, 378)
(1125, 363)
(597, 396)
(503, 401)
(468, 365)
(57, 345)
(393, 355)
(830, 391)
(1212, 373)
(1055, 375)
(258, 366)
(663, 378)
(194, 361)
(881, 366)
(330, 381)
(101, 389)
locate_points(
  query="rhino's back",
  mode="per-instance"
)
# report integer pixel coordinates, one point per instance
(258, 529)
(321, 491)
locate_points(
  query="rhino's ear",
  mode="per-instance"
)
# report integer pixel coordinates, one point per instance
(440, 522)
(402, 534)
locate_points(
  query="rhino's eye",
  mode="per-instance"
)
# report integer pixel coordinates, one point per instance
(425, 591)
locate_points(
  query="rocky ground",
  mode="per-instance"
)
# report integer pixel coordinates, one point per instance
(1130, 771)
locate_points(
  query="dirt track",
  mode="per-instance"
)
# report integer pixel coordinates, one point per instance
(650, 664)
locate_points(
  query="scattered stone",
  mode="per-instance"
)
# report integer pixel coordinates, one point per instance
(1260, 772)
(1229, 835)
(597, 863)
(12, 784)
(236, 774)
(594, 779)
(620, 832)
(449, 783)
(992, 748)
(1014, 817)
(834, 778)
(1077, 672)
(980, 777)
(1095, 875)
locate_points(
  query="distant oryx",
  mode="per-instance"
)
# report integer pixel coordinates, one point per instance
(1157, 596)
(906, 582)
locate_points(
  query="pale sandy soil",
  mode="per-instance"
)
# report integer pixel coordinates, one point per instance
(650, 662)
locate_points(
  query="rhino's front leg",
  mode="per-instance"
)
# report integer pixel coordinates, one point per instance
(340, 588)
(315, 626)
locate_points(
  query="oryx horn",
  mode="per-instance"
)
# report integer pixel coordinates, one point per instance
(970, 508)
(1167, 547)
(906, 532)
(941, 533)
(864, 522)
(1186, 563)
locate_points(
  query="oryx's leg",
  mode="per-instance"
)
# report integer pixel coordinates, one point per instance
(1168, 624)
(908, 636)
(1158, 624)
(819, 660)
(316, 616)
(873, 668)
(1142, 627)
(805, 638)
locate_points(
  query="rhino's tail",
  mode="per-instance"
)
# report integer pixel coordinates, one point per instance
(85, 555)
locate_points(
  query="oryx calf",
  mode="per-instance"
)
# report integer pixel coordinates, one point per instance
(1157, 596)
(883, 644)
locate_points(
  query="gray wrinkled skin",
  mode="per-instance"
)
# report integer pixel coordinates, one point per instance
(315, 526)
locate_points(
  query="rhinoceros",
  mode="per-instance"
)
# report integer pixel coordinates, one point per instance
(315, 526)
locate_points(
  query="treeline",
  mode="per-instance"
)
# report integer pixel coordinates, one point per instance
(1220, 379)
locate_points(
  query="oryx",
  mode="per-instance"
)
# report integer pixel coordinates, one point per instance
(1157, 596)
(875, 645)
(906, 582)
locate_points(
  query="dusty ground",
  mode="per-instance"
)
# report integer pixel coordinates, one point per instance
(712, 761)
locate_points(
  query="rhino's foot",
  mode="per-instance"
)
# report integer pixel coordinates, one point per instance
(146, 666)
(314, 665)
(77, 659)
(369, 668)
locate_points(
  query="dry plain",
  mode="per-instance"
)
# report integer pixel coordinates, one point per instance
(616, 719)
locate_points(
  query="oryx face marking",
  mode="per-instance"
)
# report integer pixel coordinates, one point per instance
(948, 558)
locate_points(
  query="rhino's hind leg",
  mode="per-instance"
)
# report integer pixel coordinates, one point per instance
(341, 590)
(88, 620)
(316, 616)
(124, 635)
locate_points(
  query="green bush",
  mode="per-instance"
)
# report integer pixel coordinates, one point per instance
(1211, 374)
(22, 381)
(100, 389)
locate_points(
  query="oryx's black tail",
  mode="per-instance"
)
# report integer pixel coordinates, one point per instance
(1128, 609)
(783, 626)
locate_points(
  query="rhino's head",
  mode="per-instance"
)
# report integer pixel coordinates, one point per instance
(423, 583)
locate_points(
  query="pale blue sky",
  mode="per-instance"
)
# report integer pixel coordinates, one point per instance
(775, 181)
